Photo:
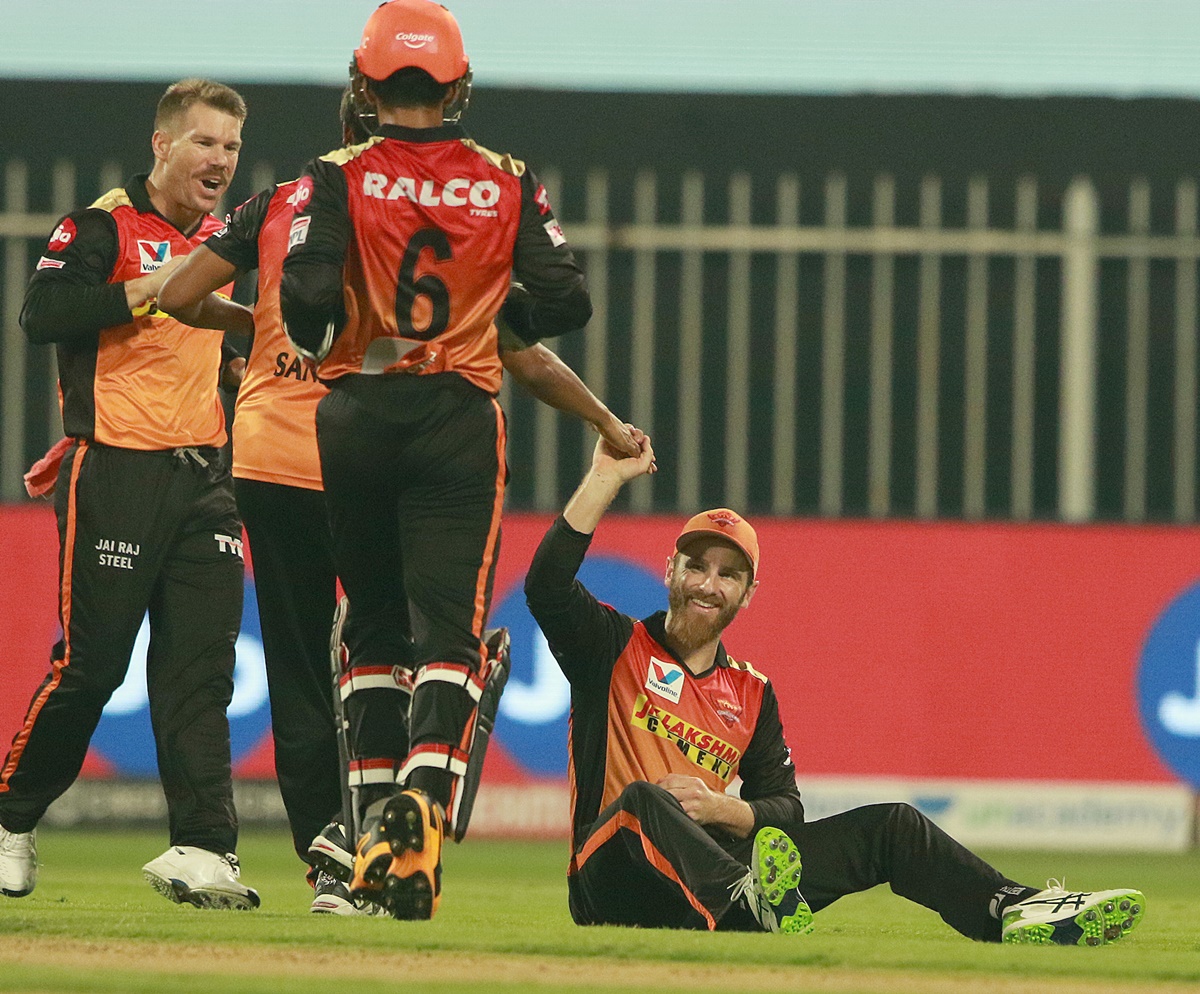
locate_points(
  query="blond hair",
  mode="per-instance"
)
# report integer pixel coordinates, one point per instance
(182, 96)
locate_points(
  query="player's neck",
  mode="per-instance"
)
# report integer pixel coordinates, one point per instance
(184, 218)
(698, 659)
(412, 117)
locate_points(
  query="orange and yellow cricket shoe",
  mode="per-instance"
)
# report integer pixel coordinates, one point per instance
(414, 827)
(372, 856)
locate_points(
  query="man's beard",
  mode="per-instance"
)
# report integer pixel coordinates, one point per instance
(689, 631)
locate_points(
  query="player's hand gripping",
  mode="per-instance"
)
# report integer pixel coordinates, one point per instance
(610, 462)
(706, 806)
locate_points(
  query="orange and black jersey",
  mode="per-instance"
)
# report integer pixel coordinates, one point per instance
(133, 380)
(637, 713)
(274, 426)
(403, 251)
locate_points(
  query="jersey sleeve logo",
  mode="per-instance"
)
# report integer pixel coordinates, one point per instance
(301, 195)
(153, 255)
(298, 233)
(554, 230)
(47, 263)
(542, 199)
(664, 679)
(63, 235)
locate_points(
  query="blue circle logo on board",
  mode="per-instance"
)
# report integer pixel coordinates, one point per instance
(124, 736)
(535, 706)
(1168, 686)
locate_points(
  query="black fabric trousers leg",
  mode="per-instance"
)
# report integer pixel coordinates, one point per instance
(414, 479)
(296, 586)
(895, 844)
(140, 531)
(646, 863)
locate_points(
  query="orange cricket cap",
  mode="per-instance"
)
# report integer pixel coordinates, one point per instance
(730, 526)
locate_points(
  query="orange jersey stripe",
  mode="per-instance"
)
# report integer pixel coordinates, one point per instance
(22, 737)
(489, 553)
(627, 820)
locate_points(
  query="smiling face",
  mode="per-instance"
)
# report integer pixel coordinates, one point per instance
(708, 582)
(195, 157)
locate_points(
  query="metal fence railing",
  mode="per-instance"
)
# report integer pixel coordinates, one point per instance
(1003, 369)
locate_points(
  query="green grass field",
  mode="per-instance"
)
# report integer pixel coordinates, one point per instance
(94, 925)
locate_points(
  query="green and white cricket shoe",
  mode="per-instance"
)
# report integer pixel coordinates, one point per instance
(773, 891)
(1073, 918)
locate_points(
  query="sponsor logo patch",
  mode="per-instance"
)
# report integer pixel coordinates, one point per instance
(709, 752)
(230, 544)
(542, 199)
(481, 193)
(664, 679)
(301, 195)
(554, 230)
(412, 39)
(63, 235)
(154, 255)
(298, 234)
(45, 263)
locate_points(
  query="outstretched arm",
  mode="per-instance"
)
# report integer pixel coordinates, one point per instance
(188, 295)
(545, 376)
(609, 472)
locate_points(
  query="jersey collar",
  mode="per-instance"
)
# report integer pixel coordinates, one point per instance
(447, 132)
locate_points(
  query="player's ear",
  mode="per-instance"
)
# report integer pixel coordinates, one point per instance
(753, 586)
(669, 572)
(160, 144)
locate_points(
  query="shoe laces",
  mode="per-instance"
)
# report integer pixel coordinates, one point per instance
(748, 891)
(1055, 884)
(234, 865)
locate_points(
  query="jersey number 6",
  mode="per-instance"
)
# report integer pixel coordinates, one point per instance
(408, 288)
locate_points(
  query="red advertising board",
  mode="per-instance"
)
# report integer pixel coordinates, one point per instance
(967, 651)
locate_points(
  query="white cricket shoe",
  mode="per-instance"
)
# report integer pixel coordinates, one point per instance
(18, 862)
(332, 897)
(1073, 918)
(197, 876)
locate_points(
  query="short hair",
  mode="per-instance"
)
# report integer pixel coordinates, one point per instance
(354, 129)
(182, 96)
(409, 87)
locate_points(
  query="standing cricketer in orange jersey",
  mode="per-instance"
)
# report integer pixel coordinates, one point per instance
(145, 508)
(403, 253)
(278, 482)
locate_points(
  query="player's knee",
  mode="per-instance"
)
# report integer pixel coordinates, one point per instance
(642, 794)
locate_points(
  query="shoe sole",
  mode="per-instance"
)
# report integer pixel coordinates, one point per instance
(409, 897)
(369, 885)
(16, 893)
(330, 905)
(1102, 923)
(778, 865)
(176, 890)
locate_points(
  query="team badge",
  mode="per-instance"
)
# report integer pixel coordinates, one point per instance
(664, 679)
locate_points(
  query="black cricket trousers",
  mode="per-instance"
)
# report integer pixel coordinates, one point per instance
(646, 863)
(140, 531)
(414, 475)
(296, 589)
